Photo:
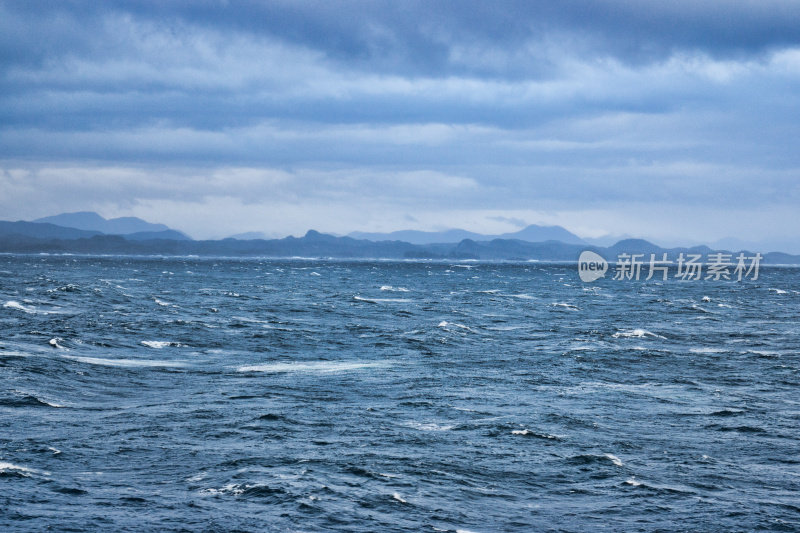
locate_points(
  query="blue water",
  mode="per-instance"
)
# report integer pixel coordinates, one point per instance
(186, 394)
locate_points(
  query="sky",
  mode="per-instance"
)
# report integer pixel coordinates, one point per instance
(676, 121)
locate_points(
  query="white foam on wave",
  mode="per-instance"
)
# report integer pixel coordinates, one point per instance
(430, 426)
(393, 289)
(526, 432)
(128, 363)
(23, 470)
(315, 274)
(162, 303)
(381, 300)
(706, 350)
(399, 498)
(444, 324)
(778, 291)
(632, 482)
(322, 367)
(230, 488)
(637, 333)
(614, 459)
(765, 353)
(54, 343)
(523, 296)
(11, 304)
(503, 328)
(566, 306)
(162, 344)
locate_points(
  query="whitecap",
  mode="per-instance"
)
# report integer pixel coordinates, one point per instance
(706, 299)
(523, 296)
(54, 343)
(315, 274)
(565, 305)
(445, 324)
(632, 482)
(161, 344)
(312, 366)
(381, 300)
(231, 488)
(393, 289)
(706, 350)
(399, 498)
(765, 353)
(23, 470)
(637, 333)
(778, 291)
(430, 426)
(161, 302)
(614, 459)
(129, 363)
(11, 304)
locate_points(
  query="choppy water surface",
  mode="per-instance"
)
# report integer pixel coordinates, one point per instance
(214, 394)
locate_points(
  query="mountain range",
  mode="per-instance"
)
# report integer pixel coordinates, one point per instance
(44, 236)
(132, 227)
(532, 233)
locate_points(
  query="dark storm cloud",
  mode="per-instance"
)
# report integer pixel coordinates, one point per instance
(461, 104)
(423, 37)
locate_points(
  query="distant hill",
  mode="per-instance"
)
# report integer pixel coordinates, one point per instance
(30, 237)
(532, 233)
(249, 236)
(43, 231)
(91, 221)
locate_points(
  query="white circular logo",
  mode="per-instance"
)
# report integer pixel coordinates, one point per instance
(591, 266)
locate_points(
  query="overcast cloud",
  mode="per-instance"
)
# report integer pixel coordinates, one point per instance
(677, 121)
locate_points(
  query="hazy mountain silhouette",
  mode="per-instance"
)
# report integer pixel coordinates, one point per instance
(532, 233)
(43, 231)
(90, 221)
(34, 237)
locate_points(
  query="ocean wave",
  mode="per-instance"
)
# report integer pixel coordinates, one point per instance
(55, 343)
(429, 426)
(381, 300)
(534, 434)
(707, 350)
(444, 324)
(22, 399)
(127, 363)
(637, 333)
(12, 304)
(162, 344)
(396, 496)
(23, 471)
(566, 306)
(321, 367)
(393, 289)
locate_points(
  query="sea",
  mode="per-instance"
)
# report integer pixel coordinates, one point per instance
(255, 394)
